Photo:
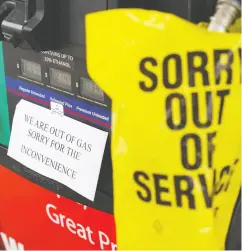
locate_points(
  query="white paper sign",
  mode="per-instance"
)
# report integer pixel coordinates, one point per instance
(57, 147)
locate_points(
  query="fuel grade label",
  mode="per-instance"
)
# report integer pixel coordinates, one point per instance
(58, 147)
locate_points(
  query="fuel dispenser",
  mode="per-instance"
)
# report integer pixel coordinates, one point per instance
(39, 74)
(43, 60)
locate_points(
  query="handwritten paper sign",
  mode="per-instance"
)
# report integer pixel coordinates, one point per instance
(58, 147)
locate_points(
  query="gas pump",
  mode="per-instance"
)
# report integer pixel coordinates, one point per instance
(43, 46)
(44, 55)
(35, 71)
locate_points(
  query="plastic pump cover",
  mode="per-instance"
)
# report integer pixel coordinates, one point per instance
(176, 92)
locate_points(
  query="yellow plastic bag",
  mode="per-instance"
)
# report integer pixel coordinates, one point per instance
(176, 126)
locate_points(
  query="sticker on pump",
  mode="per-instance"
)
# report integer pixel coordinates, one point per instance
(58, 147)
(57, 108)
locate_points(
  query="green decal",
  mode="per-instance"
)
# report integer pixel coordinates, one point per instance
(4, 116)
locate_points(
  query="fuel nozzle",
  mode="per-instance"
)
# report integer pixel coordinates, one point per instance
(227, 11)
(33, 24)
(6, 8)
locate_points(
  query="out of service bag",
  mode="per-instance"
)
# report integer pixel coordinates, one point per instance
(176, 91)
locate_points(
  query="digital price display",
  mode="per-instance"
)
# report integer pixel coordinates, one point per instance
(91, 91)
(60, 79)
(31, 70)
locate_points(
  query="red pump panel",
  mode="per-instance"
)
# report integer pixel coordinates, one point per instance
(31, 217)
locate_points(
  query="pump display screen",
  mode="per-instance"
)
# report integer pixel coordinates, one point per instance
(31, 70)
(90, 90)
(60, 79)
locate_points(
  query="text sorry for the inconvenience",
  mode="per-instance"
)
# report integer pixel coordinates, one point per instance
(55, 133)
